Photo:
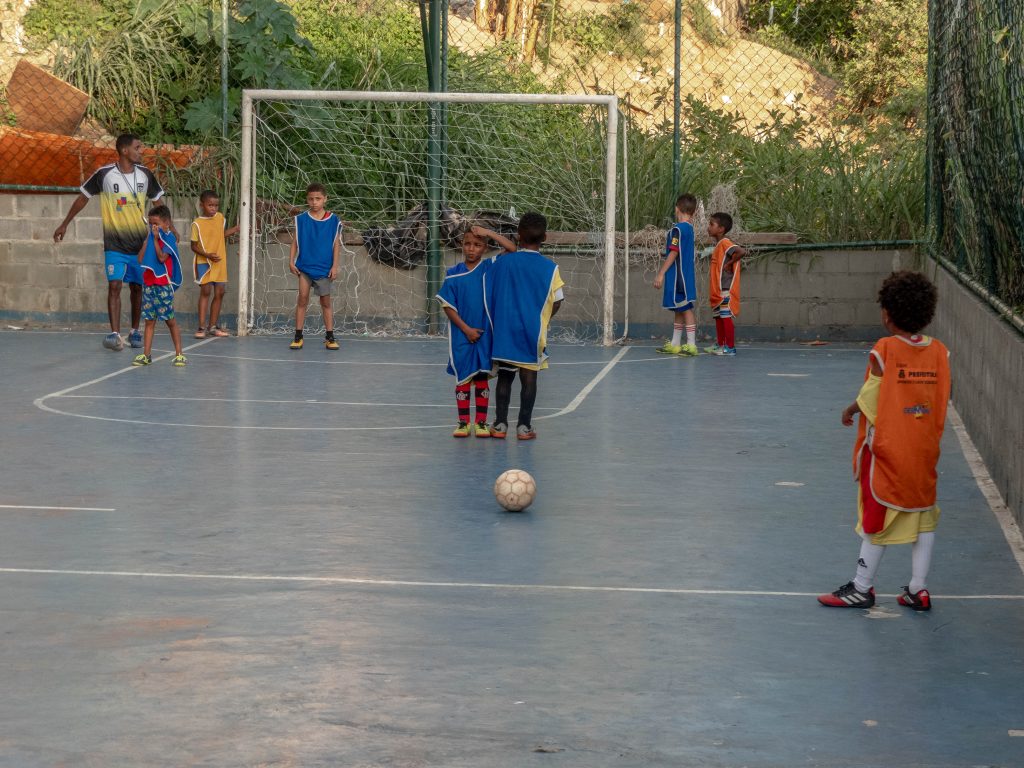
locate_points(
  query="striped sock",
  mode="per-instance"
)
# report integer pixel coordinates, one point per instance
(462, 402)
(691, 335)
(482, 399)
(677, 334)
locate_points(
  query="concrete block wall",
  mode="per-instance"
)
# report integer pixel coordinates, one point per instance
(797, 295)
(64, 283)
(828, 295)
(987, 365)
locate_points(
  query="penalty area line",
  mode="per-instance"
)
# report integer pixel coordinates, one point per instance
(497, 586)
(578, 400)
(40, 401)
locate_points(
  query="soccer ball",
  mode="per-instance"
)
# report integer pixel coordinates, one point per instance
(515, 490)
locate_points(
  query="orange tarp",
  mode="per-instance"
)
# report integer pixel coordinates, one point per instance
(31, 158)
(42, 102)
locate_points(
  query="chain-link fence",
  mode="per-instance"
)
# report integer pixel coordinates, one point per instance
(808, 114)
(976, 142)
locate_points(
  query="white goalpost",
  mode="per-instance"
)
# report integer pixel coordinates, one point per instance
(407, 173)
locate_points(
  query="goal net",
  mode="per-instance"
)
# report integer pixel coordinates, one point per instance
(408, 173)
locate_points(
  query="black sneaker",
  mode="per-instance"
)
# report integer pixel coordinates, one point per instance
(918, 601)
(848, 596)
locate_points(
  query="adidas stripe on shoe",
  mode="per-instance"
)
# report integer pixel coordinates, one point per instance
(848, 596)
(918, 601)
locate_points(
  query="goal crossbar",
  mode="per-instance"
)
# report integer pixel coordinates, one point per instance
(247, 215)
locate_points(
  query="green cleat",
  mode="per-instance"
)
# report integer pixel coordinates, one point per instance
(180, 360)
(688, 350)
(142, 360)
(712, 350)
(462, 430)
(669, 349)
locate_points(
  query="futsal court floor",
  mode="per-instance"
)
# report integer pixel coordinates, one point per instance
(276, 558)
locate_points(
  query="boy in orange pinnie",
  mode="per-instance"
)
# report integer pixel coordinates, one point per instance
(724, 289)
(902, 407)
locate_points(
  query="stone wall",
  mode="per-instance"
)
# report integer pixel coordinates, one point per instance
(987, 362)
(12, 43)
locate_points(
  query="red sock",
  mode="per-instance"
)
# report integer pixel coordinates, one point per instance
(482, 396)
(719, 332)
(462, 401)
(730, 332)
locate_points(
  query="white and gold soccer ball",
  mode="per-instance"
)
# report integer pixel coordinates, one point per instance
(515, 490)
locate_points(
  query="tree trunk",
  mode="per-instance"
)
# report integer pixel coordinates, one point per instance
(530, 50)
(732, 13)
(481, 15)
(511, 19)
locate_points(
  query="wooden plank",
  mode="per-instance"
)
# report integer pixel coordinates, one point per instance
(353, 238)
(643, 239)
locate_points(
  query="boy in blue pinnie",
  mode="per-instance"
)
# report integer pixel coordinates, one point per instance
(161, 277)
(469, 334)
(677, 280)
(314, 259)
(523, 291)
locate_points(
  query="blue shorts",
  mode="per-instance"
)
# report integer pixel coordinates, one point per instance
(158, 302)
(122, 266)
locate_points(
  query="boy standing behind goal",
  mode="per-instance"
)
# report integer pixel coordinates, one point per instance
(210, 261)
(314, 259)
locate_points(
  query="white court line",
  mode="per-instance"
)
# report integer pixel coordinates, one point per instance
(578, 400)
(39, 403)
(265, 402)
(988, 488)
(59, 509)
(790, 375)
(447, 584)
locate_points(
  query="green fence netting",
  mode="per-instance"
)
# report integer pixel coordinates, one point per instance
(976, 141)
(802, 116)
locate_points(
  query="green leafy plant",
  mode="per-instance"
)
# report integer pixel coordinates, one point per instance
(620, 32)
(813, 25)
(888, 56)
(705, 25)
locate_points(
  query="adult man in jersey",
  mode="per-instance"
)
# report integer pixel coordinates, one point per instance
(123, 187)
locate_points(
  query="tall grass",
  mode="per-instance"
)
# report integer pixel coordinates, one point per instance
(787, 179)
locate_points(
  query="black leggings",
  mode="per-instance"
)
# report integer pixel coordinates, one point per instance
(527, 395)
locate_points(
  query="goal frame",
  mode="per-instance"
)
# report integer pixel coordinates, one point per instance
(247, 242)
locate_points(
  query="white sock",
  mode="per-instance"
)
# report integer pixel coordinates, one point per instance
(691, 335)
(867, 565)
(677, 335)
(921, 557)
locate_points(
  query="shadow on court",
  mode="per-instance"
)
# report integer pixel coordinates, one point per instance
(283, 558)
